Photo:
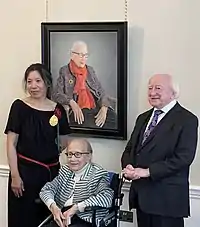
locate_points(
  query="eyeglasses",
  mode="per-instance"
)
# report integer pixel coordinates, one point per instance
(81, 55)
(76, 154)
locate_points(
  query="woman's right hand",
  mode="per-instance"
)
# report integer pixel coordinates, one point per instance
(57, 214)
(78, 114)
(17, 186)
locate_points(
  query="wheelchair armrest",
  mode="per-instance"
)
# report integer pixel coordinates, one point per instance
(109, 218)
(95, 208)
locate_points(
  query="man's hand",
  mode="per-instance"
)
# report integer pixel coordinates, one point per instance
(78, 114)
(129, 167)
(135, 173)
(128, 172)
(101, 116)
(69, 213)
(17, 185)
(57, 214)
(141, 173)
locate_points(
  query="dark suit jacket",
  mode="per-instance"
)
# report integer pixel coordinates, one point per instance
(168, 153)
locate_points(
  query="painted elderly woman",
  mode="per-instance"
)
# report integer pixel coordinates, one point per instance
(80, 184)
(79, 90)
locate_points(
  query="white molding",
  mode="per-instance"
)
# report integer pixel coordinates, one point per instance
(4, 170)
(194, 190)
(126, 186)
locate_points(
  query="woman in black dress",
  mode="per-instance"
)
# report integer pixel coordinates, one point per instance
(33, 126)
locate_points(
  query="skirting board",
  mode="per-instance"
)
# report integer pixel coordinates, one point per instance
(4, 170)
(194, 190)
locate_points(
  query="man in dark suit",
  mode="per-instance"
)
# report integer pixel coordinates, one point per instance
(158, 156)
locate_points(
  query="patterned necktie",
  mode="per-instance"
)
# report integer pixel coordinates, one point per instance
(152, 124)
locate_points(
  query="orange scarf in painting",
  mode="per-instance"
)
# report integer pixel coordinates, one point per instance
(85, 98)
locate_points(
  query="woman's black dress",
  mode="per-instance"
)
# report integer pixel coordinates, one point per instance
(37, 140)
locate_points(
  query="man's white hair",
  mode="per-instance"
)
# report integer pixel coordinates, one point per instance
(176, 88)
(77, 44)
(174, 84)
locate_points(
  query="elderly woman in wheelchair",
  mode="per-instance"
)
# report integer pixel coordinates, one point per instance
(80, 184)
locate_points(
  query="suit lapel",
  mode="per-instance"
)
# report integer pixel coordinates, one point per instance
(137, 134)
(166, 122)
(143, 125)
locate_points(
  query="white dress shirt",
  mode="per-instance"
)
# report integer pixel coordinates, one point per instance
(165, 110)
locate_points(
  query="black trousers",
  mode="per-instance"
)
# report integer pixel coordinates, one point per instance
(150, 220)
(24, 211)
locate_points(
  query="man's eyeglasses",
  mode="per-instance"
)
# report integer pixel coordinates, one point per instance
(81, 55)
(76, 154)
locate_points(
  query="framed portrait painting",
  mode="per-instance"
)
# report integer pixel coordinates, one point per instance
(88, 62)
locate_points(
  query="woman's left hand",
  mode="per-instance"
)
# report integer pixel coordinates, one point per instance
(69, 214)
(101, 116)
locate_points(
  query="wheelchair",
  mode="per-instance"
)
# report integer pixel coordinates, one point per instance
(113, 217)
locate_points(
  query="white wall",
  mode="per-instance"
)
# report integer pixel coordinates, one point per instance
(20, 46)
(163, 37)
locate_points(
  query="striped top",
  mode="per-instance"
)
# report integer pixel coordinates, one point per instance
(92, 189)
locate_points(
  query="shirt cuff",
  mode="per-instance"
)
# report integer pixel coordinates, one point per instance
(49, 203)
(81, 206)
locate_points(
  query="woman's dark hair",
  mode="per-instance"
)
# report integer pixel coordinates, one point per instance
(44, 73)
